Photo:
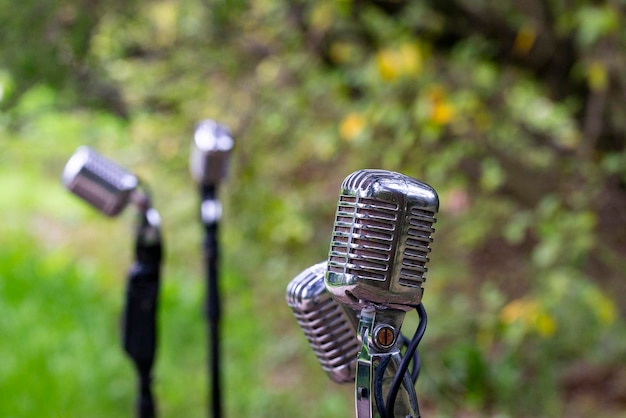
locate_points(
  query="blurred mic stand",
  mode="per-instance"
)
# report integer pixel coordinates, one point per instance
(109, 188)
(212, 144)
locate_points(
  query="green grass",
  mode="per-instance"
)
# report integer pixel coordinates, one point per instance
(59, 354)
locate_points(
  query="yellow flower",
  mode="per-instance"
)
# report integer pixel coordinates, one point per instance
(411, 57)
(387, 62)
(442, 113)
(352, 126)
(517, 310)
(406, 60)
(544, 324)
(530, 315)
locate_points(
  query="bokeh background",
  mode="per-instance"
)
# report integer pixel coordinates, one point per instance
(512, 111)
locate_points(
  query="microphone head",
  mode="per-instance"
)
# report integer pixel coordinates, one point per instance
(99, 181)
(381, 240)
(212, 144)
(329, 327)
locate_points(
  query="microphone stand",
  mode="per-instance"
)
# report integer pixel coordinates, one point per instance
(208, 164)
(139, 318)
(210, 212)
(110, 188)
(378, 363)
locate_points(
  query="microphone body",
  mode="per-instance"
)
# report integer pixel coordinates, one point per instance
(376, 264)
(99, 181)
(212, 144)
(330, 328)
(381, 240)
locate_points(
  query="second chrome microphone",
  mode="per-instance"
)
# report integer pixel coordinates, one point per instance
(329, 327)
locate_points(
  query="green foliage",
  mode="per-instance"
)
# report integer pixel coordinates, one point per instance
(511, 111)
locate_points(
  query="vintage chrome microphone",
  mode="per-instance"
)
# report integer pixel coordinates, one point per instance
(208, 163)
(212, 145)
(329, 327)
(100, 182)
(109, 188)
(381, 240)
(377, 260)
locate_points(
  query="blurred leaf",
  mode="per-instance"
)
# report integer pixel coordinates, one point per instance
(546, 253)
(595, 22)
(492, 175)
(517, 227)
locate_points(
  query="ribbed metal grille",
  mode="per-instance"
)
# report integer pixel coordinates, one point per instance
(87, 191)
(108, 174)
(329, 333)
(99, 181)
(325, 323)
(362, 237)
(415, 254)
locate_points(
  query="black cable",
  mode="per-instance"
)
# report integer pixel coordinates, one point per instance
(417, 365)
(416, 361)
(378, 385)
(404, 364)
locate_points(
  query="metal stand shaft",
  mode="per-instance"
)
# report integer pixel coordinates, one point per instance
(211, 212)
(139, 320)
(377, 365)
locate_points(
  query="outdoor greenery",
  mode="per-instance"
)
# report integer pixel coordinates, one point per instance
(512, 111)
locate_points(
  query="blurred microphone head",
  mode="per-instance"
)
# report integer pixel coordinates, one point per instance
(381, 240)
(329, 327)
(212, 144)
(99, 181)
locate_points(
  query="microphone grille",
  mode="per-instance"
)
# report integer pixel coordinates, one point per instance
(381, 238)
(99, 181)
(363, 237)
(419, 232)
(329, 327)
(212, 144)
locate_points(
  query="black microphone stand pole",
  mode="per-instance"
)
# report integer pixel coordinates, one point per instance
(210, 215)
(139, 320)
(110, 188)
(208, 165)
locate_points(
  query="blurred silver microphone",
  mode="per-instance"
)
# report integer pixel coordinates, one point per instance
(329, 327)
(99, 181)
(381, 240)
(212, 143)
